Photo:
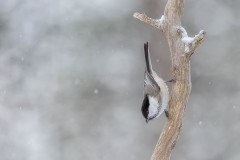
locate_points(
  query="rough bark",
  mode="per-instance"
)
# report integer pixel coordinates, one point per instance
(181, 47)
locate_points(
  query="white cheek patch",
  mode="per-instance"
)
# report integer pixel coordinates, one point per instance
(153, 106)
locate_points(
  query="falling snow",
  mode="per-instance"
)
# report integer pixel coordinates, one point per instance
(20, 36)
(96, 91)
(76, 81)
(48, 69)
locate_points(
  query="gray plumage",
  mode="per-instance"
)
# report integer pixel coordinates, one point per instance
(156, 95)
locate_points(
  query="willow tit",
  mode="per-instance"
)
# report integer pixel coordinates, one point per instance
(156, 94)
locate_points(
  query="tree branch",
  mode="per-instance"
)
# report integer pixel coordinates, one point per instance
(181, 47)
(191, 43)
(153, 22)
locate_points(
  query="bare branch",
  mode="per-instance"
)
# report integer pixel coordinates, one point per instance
(157, 23)
(198, 39)
(181, 48)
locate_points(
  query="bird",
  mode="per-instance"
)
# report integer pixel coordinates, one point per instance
(156, 94)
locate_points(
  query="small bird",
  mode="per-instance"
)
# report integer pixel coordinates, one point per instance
(156, 94)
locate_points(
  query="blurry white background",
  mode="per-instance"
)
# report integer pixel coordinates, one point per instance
(71, 80)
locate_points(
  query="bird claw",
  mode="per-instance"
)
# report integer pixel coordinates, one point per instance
(171, 80)
(166, 113)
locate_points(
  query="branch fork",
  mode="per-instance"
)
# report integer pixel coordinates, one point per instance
(191, 43)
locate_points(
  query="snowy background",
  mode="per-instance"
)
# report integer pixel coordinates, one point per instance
(72, 77)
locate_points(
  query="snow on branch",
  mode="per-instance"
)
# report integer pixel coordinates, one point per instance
(191, 43)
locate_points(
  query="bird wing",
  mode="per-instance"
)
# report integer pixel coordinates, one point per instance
(150, 85)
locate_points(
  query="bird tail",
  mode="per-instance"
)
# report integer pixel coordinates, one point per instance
(147, 58)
